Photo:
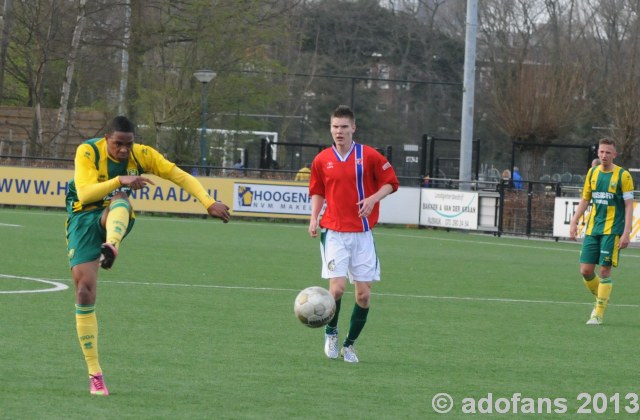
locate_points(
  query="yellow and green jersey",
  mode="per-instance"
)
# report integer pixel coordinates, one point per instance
(607, 192)
(96, 175)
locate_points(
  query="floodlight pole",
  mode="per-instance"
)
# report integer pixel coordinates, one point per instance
(466, 129)
(204, 77)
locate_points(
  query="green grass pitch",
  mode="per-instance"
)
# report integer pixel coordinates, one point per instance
(196, 321)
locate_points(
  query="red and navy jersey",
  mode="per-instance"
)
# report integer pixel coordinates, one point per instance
(343, 182)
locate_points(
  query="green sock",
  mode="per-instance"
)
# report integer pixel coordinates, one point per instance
(358, 319)
(332, 326)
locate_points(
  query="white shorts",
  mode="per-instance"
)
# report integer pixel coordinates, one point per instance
(349, 254)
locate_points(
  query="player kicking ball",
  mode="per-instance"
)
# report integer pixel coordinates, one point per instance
(100, 215)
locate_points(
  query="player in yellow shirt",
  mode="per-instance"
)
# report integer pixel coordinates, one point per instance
(100, 215)
(609, 190)
(304, 174)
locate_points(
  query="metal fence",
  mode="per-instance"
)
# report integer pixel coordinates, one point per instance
(528, 210)
(524, 211)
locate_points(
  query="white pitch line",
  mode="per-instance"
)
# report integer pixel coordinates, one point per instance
(9, 225)
(57, 286)
(504, 300)
(508, 245)
(302, 226)
(460, 298)
(203, 286)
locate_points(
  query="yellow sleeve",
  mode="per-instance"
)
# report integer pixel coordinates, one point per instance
(155, 163)
(627, 182)
(586, 189)
(86, 177)
(190, 185)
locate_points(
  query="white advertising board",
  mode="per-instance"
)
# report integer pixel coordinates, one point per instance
(449, 209)
(565, 207)
(271, 199)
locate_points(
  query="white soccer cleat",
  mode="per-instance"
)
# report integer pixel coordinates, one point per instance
(594, 320)
(331, 345)
(349, 355)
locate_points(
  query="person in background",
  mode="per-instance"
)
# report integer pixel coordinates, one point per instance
(351, 178)
(506, 179)
(100, 215)
(517, 178)
(304, 173)
(595, 162)
(609, 190)
(238, 167)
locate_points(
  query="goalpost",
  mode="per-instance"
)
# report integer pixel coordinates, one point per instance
(228, 141)
(228, 136)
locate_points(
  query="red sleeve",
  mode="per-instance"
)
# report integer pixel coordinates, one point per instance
(316, 184)
(385, 174)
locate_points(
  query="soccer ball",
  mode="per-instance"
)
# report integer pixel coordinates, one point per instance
(314, 307)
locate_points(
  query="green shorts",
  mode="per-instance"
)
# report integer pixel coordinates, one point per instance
(601, 250)
(85, 235)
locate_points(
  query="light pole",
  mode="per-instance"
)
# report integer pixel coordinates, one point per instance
(204, 77)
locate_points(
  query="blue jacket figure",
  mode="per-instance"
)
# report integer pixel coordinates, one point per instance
(517, 179)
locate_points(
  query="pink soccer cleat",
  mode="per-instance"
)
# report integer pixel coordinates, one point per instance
(97, 385)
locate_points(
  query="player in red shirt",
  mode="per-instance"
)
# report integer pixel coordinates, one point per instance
(351, 178)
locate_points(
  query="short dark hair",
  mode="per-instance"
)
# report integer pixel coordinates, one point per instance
(122, 124)
(343, 111)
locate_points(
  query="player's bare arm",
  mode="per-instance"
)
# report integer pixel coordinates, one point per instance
(367, 204)
(573, 225)
(313, 227)
(316, 205)
(219, 210)
(625, 238)
(134, 181)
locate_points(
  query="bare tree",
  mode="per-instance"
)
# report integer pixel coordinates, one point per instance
(548, 70)
(38, 27)
(66, 85)
(532, 80)
(7, 22)
(616, 28)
